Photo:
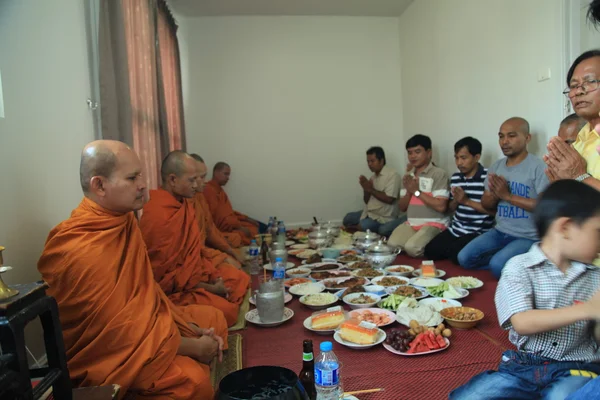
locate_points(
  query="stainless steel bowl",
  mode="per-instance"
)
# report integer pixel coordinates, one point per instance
(380, 255)
(319, 239)
(365, 241)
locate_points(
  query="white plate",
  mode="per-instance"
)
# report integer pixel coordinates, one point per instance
(391, 349)
(432, 301)
(424, 292)
(350, 397)
(286, 298)
(356, 271)
(308, 325)
(319, 306)
(334, 274)
(426, 282)
(438, 273)
(286, 282)
(380, 338)
(252, 317)
(339, 280)
(351, 296)
(289, 243)
(463, 293)
(390, 314)
(317, 265)
(269, 267)
(405, 319)
(407, 273)
(313, 287)
(306, 254)
(299, 246)
(351, 265)
(360, 258)
(377, 281)
(477, 286)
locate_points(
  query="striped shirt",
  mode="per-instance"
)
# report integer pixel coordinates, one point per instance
(532, 282)
(433, 181)
(467, 220)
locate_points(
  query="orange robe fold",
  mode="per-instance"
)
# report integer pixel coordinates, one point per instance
(118, 325)
(180, 261)
(225, 217)
(209, 233)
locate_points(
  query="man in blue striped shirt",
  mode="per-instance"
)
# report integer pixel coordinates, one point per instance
(470, 218)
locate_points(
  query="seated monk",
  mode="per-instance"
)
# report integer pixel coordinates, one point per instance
(238, 228)
(209, 233)
(118, 325)
(188, 271)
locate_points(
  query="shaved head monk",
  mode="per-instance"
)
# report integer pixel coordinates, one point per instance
(237, 227)
(187, 270)
(570, 127)
(210, 234)
(118, 325)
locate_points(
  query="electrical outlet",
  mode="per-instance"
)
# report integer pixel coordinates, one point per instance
(544, 74)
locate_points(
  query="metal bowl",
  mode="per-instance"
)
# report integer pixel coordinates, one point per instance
(380, 255)
(318, 239)
(365, 241)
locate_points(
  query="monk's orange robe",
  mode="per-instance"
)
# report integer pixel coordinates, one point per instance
(118, 325)
(224, 216)
(180, 261)
(210, 235)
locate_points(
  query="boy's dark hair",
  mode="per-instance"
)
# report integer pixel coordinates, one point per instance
(473, 145)
(379, 153)
(419, 140)
(587, 55)
(566, 198)
(593, 13)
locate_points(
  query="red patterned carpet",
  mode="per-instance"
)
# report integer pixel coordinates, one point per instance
(423, 377)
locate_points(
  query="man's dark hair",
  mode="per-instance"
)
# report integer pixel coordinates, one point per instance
(593, 13)
(419, 140)
(565, 198)
(585, 56)
(574, 119)
(473, 145)
(379, 153)
(173, 163)
(220, 166)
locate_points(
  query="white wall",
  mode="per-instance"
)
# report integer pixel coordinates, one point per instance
(590, 36)
(468, 65)
(44, 66)
(292, 103)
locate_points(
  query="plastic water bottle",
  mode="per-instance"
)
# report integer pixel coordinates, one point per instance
(281, 234)
(279, 269)
(327, 374)
(253, 251)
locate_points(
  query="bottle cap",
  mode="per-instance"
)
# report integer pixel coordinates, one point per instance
(326, 346)
(253, 241)
(278, 259)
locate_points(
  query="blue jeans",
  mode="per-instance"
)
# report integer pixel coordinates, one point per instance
(591, 391)
(492, 250)
(385, 229)
(526, 376)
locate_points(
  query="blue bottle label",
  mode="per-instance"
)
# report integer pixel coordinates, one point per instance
(279, 273)
(326, 377)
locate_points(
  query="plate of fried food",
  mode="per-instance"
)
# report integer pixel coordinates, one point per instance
(348, 258)
(320, 275)
(399, 270)
(358, 265)
(323, 266)
(388, 281)
(304, 254)
(368, 272)
(410, 291)
(335, 284)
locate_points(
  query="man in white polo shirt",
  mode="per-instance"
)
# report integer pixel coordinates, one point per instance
(380, 194)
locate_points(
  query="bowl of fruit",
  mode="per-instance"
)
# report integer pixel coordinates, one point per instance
(418, 340)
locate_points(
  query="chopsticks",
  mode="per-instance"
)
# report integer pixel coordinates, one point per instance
(364, 391)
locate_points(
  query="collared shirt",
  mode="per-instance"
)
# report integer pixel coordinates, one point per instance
(586, 144)
(466, 219)
(434, 182)
(532, 282)
(388, 181)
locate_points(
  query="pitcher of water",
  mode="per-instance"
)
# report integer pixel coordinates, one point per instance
(269, 300)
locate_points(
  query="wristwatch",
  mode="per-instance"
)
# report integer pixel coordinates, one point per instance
(583, 177)
(417, 193)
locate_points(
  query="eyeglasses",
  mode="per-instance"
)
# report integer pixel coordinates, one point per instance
(587, 86)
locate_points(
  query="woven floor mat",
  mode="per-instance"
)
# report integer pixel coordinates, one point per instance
(232, 361)
(244, 308)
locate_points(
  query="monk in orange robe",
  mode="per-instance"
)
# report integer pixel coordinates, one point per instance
(238, 228)
(188, 271)
(209, 233)
(118, 325)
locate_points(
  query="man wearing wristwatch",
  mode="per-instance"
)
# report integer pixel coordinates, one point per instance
(424, 198)
(512, 186)
(580, 161)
